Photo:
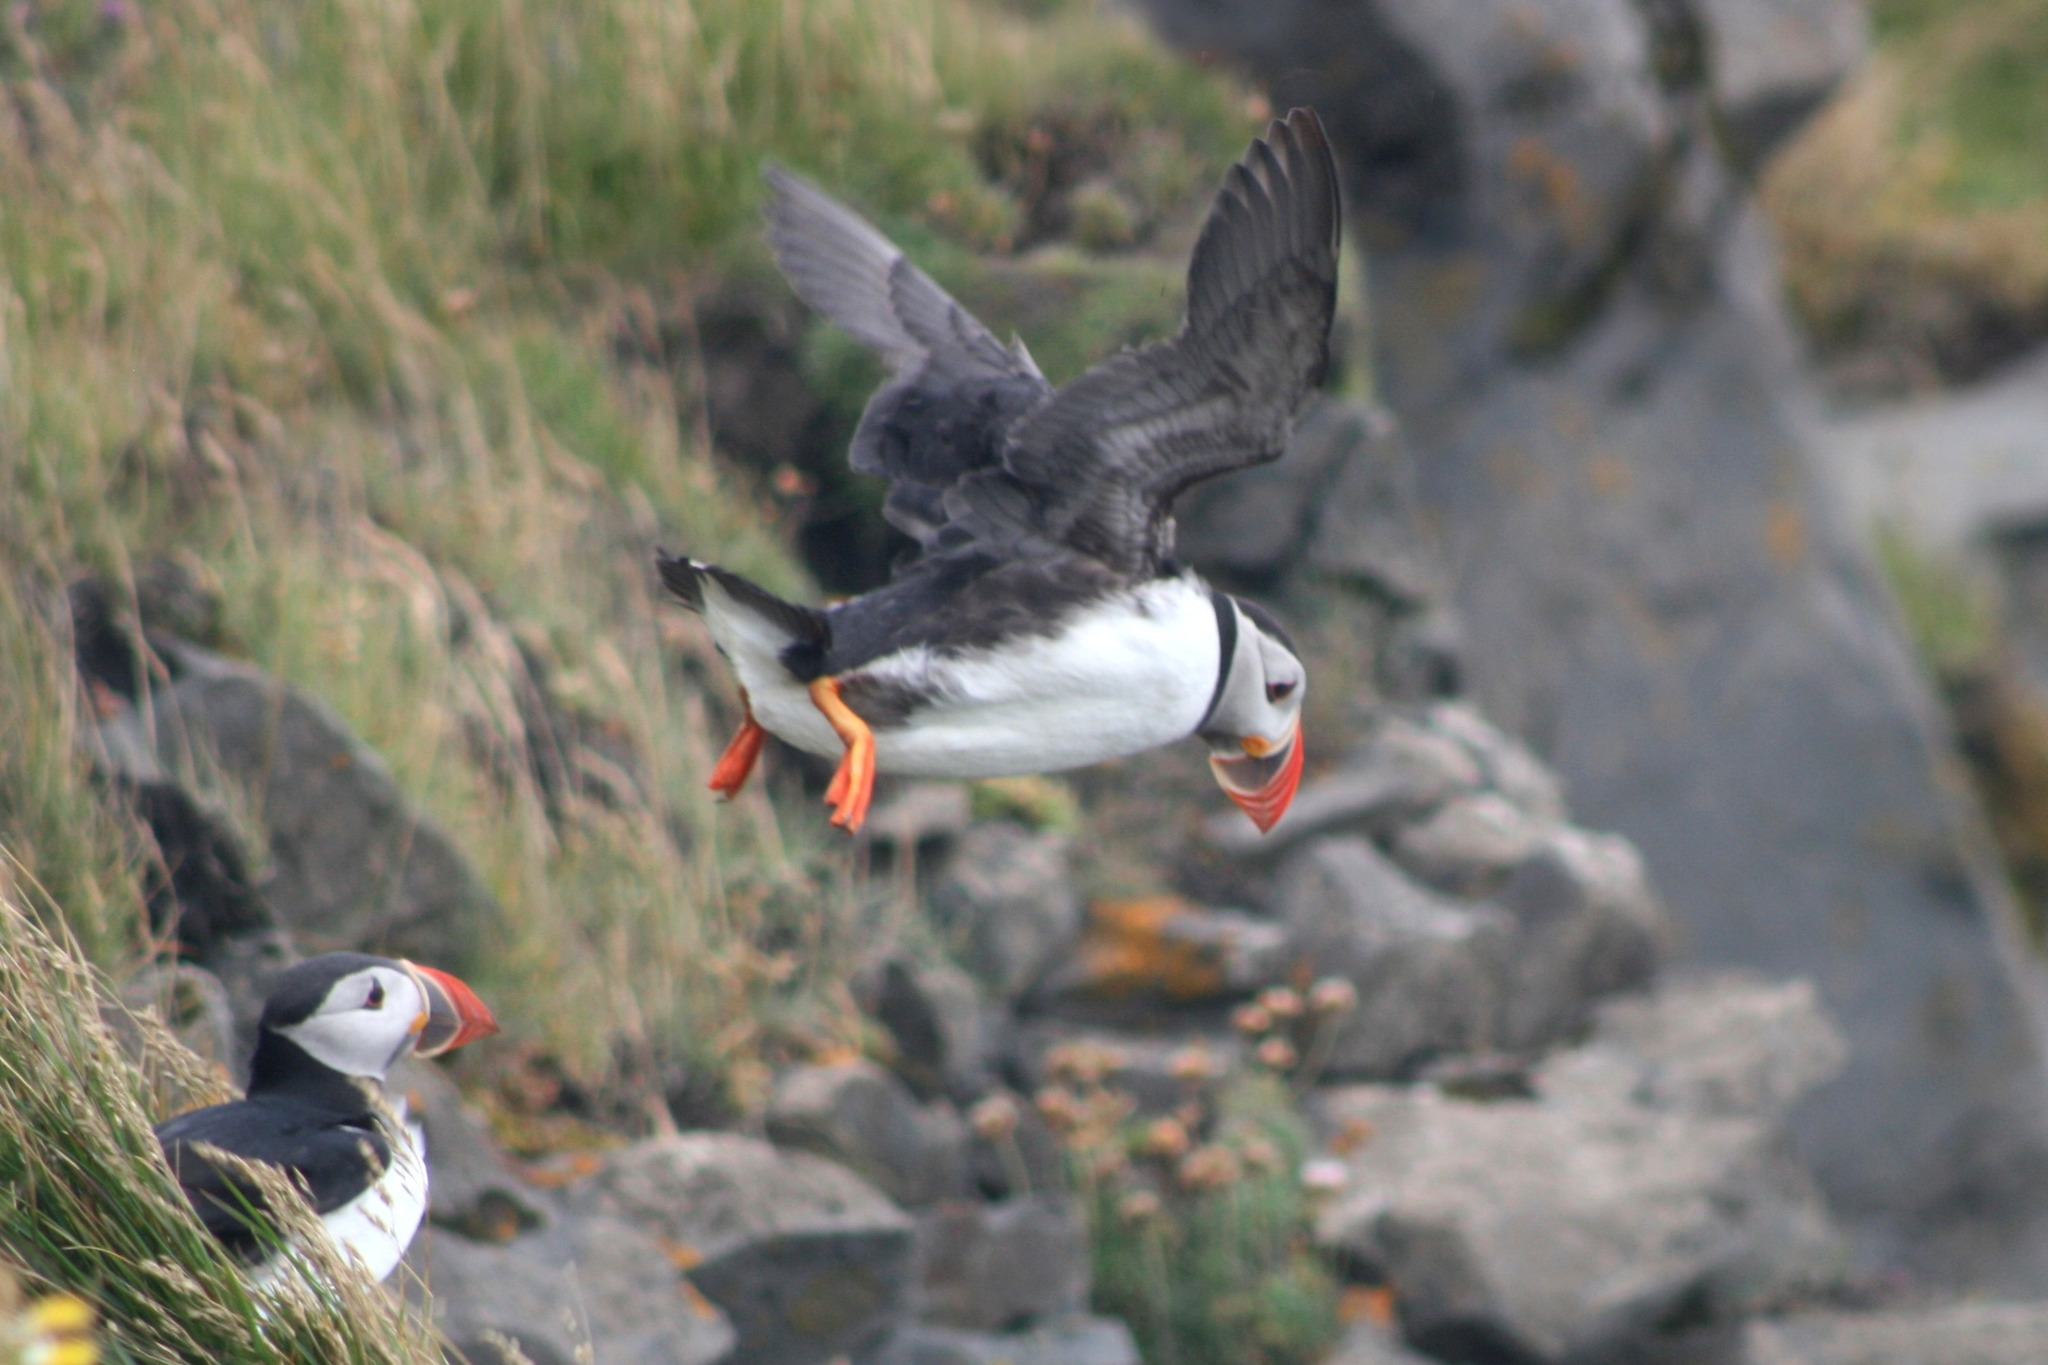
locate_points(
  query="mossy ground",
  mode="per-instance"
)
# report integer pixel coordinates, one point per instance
(1914, 212)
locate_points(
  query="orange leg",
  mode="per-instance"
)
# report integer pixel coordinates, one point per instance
(737, 762)
(853, 786)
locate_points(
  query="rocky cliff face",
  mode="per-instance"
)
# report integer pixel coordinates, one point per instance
(1577, 327)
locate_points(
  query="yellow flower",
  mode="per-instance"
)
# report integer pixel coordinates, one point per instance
(59, 1332)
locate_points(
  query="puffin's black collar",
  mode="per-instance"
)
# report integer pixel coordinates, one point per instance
(1226, 635)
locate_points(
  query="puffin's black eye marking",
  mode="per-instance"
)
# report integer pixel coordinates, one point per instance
(1279, 691)
(375, 1000)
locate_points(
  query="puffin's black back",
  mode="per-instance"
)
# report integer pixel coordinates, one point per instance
(334, 1156)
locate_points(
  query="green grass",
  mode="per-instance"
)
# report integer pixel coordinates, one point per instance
(1914, 211)
(352, 309)
(1203, 1245)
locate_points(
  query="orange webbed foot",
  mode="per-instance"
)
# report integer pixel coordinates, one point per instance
(737, 762)
(853, 785)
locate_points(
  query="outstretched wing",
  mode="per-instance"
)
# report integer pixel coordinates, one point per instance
(953, 389)
(1096, 470)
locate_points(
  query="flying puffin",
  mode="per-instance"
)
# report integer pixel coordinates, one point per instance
(332, 1026)
(1043, 623)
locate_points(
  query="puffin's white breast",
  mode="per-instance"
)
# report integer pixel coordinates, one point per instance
(1128, 674)
(377, 1226)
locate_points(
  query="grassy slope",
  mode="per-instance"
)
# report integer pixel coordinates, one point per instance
(361, 314)
(352, 314)
(1914, 212)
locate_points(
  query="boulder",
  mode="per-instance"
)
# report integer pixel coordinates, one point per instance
(1506, 766)
(1429, 970)
(1006, 900)
(1587, 925)
(1648, 1180)
(1002, 1266)
(1366, 1343)
(1725, 1044)
(807, 1260)
(1401, 770)
(1468, 845)
(866, 1119)
(1078, 1341)
(1151, 950)
(352, 863)
(1254, 524)
(944, 1029)
(192, 1004)
(1954, 1334)
(586, 1288)
(1770, 63)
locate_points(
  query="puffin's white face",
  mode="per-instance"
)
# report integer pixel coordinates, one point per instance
(366, 1022)
(1254, 734)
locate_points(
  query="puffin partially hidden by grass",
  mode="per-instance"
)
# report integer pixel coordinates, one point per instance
(1044, 623)
(316, 1108)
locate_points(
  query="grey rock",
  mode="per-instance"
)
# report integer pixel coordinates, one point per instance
(1771, 63)
(1365, 1344)
(1429, 970)
(1953, 1334)
(1366, 528)
(1138, 954)
(1506, 766)
(1558, 1231)
(1256, 522)
(806, 1259)
(863, 1117)
(193, 1004)
(1468, 845)
(945, 1030)
(1944, 468)
(1725, 1045)
(1080, 1341)
(1587, 925)
(352, 863)
(1007, 901)
(1001, 1266)
(589, 1288)
(247, 966)
(1402, 769)
(917, 812)
(472, 1187)
(1583, 334)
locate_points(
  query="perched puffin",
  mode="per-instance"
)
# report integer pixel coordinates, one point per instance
(331, 1028)
(1044, 623)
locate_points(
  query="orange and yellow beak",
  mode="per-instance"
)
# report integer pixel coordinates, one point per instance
(454, 1014)
(1263, 781)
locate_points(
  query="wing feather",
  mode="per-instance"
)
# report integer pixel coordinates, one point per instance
(1113, 449)
(953, 386)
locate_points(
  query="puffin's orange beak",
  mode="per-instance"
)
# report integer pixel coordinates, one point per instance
(454, 1015)
(1263, 781)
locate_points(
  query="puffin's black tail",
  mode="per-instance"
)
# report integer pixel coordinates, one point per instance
(686, 577)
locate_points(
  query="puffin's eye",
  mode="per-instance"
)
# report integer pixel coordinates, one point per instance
(375, 999)
(1279, 691)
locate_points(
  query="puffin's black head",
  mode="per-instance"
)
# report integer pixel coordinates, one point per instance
(358, 1014)
(1254, 730)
